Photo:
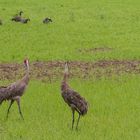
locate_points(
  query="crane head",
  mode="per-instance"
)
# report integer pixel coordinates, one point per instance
(26, 62)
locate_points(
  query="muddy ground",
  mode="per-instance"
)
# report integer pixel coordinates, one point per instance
(52, 70)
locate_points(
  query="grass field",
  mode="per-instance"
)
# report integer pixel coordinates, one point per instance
(82, 30)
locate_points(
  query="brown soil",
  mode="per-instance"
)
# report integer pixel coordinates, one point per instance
(52, 70)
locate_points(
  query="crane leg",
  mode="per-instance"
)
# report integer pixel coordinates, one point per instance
(12, 101)
(73, 112)
(78, 122)
(18, 102)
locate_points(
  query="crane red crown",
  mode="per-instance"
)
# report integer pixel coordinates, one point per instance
(26, 61)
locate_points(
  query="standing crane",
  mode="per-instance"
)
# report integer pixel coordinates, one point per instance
(72, 98)
(14, 91)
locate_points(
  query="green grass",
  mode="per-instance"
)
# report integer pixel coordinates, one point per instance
(113, 112)
(77, 24)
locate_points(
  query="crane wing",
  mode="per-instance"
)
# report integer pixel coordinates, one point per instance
(3, 94)
(10, 91)
(74, 99)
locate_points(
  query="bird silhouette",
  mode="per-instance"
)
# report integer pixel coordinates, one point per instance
(47, 20)
(14, 91)
(17, 17)
(72, 98)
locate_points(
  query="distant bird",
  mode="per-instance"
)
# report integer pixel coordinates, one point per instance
(47, 20)
(72, 98)
(17, 18)
(14, 91)
(24, 20)
(0, 22)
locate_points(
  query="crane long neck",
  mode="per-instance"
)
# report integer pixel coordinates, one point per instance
(26, 77)
(64, 85)
(27, 70)
(65, 78)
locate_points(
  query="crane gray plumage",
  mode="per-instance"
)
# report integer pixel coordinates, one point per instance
(73, 98)
(14, 91)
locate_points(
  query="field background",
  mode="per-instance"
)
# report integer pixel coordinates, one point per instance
(78, 27)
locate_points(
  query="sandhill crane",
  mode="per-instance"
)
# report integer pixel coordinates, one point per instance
(47, 20)
(72, 98)
(14, 91)
(24, 20)
(17, 18)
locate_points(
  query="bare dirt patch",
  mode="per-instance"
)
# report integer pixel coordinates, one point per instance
(52, 70)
